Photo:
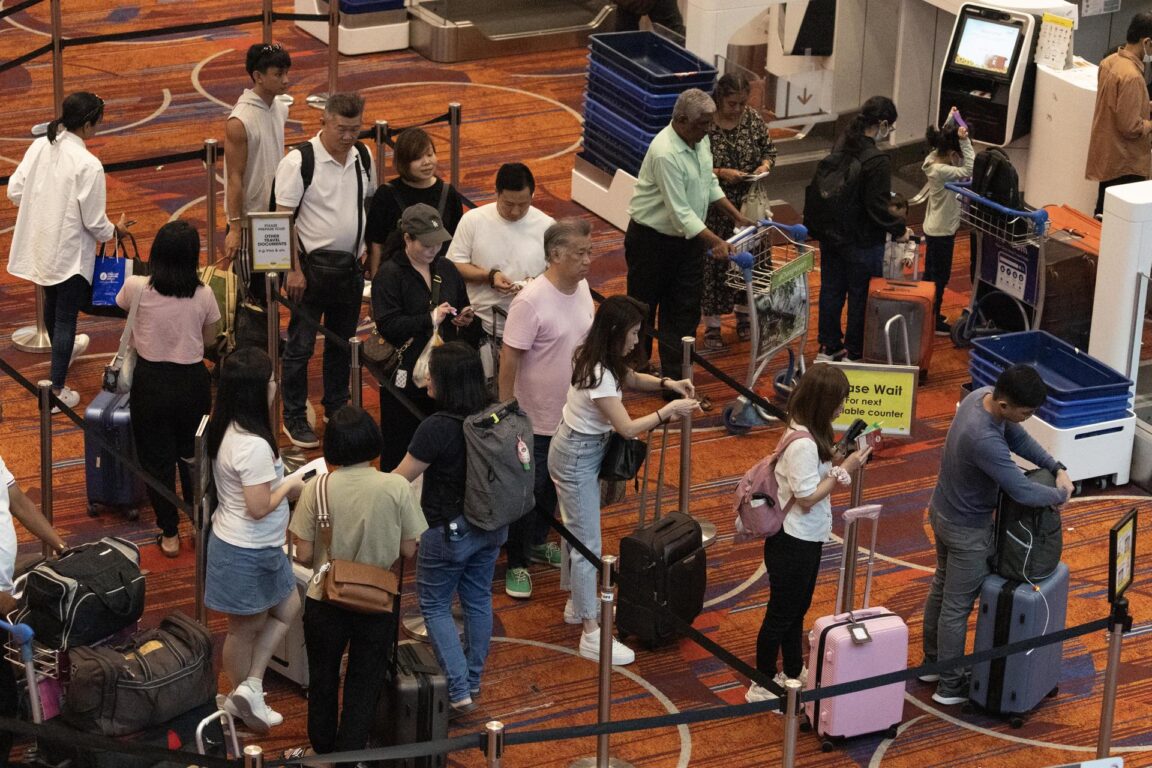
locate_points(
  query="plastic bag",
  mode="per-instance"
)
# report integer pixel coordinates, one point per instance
(757, 203)
(108, 278)
(420, 375)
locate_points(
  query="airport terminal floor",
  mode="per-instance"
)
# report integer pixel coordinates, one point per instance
(168, 94)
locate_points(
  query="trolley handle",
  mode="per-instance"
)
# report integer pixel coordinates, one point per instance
(1039, 218)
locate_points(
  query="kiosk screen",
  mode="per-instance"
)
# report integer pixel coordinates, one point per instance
(986, 46)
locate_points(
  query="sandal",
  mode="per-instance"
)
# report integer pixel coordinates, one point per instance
(169, 545)
(713, 341)
(743, 328)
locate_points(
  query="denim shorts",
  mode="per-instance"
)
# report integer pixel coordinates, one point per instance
(244, 582)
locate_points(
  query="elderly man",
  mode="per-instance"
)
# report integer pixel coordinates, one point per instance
(666, 239)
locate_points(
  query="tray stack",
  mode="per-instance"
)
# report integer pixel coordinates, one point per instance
(634, 79)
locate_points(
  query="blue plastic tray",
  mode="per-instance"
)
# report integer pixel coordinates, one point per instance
(653, 60)
(1061, 414)
(650, 111)
(608, 149)
(1069, 373)
(627, 132)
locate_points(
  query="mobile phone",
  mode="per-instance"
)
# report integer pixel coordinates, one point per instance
(855, 429)
(309, 475)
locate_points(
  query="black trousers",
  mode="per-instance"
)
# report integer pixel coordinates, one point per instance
(398, 423)
(665, 12)
(370, 640)
(1125, 179)
(667, 274)
(168, 401)
(793, 565)
(532, 529)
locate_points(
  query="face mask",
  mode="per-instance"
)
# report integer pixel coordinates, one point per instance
(884, 131)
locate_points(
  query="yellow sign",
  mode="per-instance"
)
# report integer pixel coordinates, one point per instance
(882, 395)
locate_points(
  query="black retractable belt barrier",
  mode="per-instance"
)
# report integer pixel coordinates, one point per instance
(279, 16)
(5, 13)
(23, 59)
(112, 37)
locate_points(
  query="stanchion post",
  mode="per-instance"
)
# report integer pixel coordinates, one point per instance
(494, 746)
(253, 756)
(707, 528)
(210, 200)
(333, 46)
(454, 138)
(34, 338)
(381, 138)
(1121, 623)
(46, 456)
(57, 58)
(200, 475)
(356, 380)
(266, 22)
(272, 289)
(791, 721)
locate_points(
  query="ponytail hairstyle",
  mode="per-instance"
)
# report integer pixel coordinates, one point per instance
(79, 108)
(945, 142)
(875, 111)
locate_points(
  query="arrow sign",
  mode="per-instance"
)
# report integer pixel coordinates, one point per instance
(805, 97)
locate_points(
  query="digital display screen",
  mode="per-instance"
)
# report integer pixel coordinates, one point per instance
(986, 46)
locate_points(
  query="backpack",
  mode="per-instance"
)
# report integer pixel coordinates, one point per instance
(226, 290)
(1029, 540)
(995, 178)
(757, 507)
(833, 195)
(500, 479)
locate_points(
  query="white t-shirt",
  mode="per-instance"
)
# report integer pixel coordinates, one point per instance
(580, 410)
(246, 460)
(547, 326)
(7, 530)
(486, 240)
(798, 472)
(328, 207)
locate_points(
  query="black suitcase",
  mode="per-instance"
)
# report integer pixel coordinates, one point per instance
(110, 482)
(414, 706)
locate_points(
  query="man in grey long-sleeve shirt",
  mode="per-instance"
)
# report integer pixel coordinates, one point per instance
(977, 465)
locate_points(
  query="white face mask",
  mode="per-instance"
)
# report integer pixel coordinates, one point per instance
(884, 131)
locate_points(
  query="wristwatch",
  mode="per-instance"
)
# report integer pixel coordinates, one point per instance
(1059, 467)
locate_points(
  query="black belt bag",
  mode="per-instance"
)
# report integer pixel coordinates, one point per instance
(333, 277)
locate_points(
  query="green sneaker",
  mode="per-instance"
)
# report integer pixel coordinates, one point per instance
(518, 583)
(549, 554)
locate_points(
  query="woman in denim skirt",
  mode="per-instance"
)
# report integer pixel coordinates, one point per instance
(593, 410)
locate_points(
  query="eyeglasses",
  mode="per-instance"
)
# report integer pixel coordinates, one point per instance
(271, 48)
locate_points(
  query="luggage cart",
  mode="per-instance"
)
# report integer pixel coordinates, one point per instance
(1008, 253)
(772, 268)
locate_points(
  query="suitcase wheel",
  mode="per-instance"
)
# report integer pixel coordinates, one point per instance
(1016, 721)
(962, 330)
(892, 732)
(826, 745)
(93, 510)
(132, 514)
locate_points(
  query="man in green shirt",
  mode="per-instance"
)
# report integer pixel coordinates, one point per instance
(666, 239)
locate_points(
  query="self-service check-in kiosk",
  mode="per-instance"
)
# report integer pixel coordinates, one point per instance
(989, 73)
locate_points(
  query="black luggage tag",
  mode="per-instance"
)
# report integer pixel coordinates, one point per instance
(859, 634)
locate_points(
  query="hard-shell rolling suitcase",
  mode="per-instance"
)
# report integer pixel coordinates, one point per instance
(110, 482)
(912, 301)
(414, 706)
(290, 659)
(662, 572)
(1011, 611)
(854, 645)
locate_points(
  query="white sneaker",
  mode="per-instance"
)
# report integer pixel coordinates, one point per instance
(757, 692)
(251, 707)
(79, 347)
(69, 397)
(590, 649)
(225, 703)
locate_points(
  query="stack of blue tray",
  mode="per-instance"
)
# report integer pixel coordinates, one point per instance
(1081, 389)
(634, 79)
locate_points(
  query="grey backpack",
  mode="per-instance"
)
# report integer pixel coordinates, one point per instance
(498, 488)
(1029, 540)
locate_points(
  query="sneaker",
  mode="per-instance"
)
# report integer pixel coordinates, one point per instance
(950, 696)
(549, 554)
(590, 649)
(300, 433)
(518, 583)
(830, 356)
(250, 706)
(70, 398)
(462, 707)
(79, 347)
(757, 692)
(943, 327)
(929, 677)
(225, 703)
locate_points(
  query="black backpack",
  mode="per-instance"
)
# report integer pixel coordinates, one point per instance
(833, 196)
(994, 178)
(1029, 540)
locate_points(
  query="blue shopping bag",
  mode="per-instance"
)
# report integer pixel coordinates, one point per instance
(108, 278)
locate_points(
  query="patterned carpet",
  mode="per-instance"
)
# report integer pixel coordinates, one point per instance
(168, 95)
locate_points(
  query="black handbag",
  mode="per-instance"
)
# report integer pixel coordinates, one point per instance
(623, 458)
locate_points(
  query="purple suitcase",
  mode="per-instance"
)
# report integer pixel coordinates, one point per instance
(110, 483)
(837, 653)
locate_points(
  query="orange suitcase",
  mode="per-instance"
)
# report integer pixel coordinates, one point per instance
(912, 301)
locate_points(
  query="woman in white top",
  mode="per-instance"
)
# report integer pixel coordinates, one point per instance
(594, 409)
(249, 576)
(806, 479)
(171, 388)
(59, 189)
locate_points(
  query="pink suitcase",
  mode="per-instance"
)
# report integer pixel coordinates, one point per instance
(854, 645)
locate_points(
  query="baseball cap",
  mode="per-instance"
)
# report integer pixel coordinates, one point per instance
(423, 223)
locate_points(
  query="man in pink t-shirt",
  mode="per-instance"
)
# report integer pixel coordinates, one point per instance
(547, 320)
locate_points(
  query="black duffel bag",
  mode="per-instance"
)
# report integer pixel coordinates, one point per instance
(91, 592)
(157, 676)
(1029, 540)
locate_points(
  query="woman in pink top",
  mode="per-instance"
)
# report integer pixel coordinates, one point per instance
(171, 389)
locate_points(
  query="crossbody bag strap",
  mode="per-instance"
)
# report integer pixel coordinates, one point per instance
(785, 441)
(126, 335)
(440, 206)
(323, 520)
(359, 202)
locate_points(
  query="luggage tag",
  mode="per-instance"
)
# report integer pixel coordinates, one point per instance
(401, 379)
(859, 634)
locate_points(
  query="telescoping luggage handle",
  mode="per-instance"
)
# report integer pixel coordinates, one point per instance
(22, 635)
(659, 479)
(846, 589)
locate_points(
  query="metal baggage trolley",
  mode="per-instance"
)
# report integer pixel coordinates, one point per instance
(772, 268)
(1008, 253)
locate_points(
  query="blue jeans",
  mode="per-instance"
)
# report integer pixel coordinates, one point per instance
(341, 319)
(574, 462)
(961, 565)
(461, 566)
(62, 303)
(844, 275)
(532, 529)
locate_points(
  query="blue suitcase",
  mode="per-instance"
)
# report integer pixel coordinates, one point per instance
(1011, 611)
(110, 482)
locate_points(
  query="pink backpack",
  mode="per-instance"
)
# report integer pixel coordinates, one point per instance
(763, 517)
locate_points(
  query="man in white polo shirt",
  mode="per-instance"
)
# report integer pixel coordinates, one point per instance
(498, 247)
(328, 280)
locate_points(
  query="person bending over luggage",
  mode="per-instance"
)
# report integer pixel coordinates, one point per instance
(374, 520)
(456, 558)
(171, 388)
(14, 503)
(601, 368)
(976, 466)
(249, 577)
(806, 477)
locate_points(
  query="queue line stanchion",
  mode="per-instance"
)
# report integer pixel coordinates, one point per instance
(494, 743)
(200, 475)
(57, 58)
(266, 23)
(46, 457)
(356, 373)
(272, 289)
(604, 714)
(707, 528)
(791, 721)
(253, 756)
(210, 159)
(34, 338)
(381, 138)
(454, 140)
(1121, 622)
(320, 100)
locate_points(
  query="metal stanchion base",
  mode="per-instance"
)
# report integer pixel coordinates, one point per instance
(29, 339)
(415, 628)
(286, 98)
(40, 129)
(707, 532)
(592, 762)
(317, 100)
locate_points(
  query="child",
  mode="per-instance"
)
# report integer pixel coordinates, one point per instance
(950, 160)
(897, 255)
